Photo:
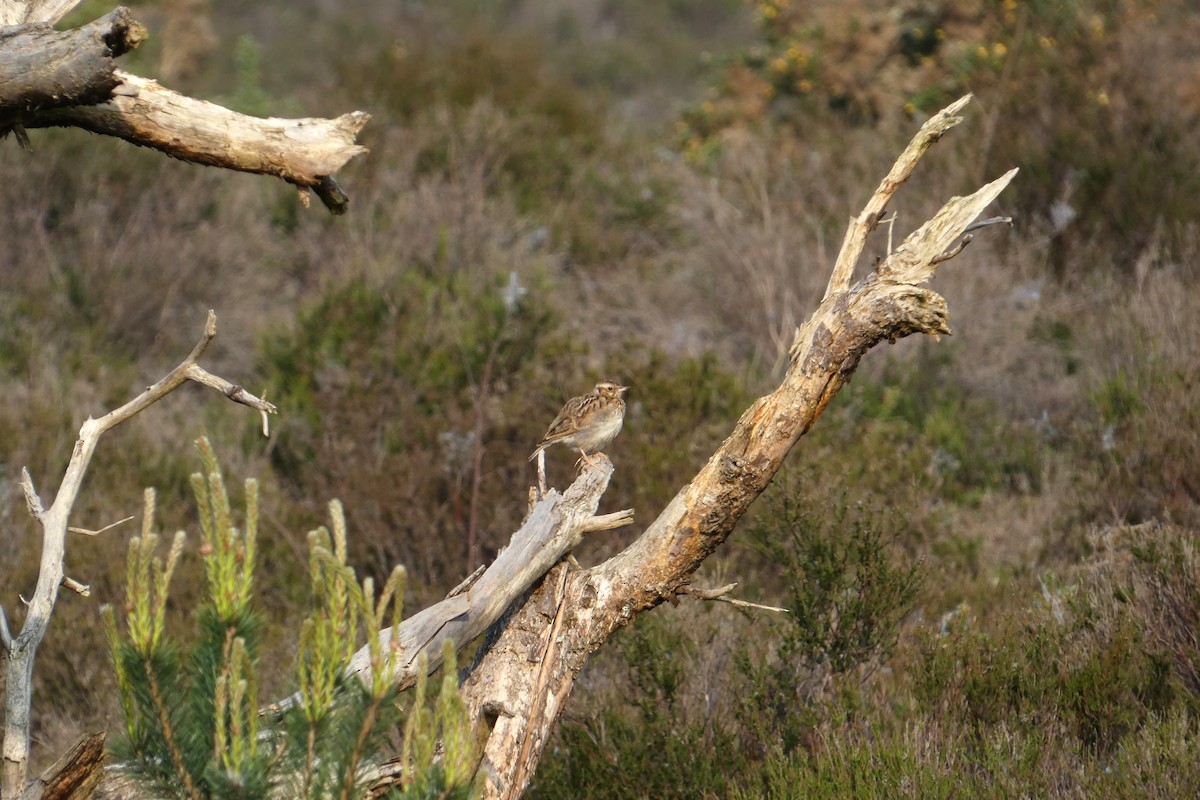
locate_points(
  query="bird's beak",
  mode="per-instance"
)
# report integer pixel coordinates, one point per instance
(623, 389)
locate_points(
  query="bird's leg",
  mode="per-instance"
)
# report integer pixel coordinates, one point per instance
(583, 459)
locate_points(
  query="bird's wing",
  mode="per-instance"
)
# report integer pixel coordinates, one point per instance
(568, 421)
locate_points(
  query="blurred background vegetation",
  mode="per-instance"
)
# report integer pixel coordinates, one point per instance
(988, 543)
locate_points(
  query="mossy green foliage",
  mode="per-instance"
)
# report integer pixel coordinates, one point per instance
(192, 715)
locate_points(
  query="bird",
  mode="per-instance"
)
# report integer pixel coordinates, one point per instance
(589, 422)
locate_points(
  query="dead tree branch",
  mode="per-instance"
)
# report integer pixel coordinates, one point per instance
(75, 776)
(21, 12)
(553, 529)
(582, 613)
(22, 648)
(862, 225)
(51, 78)
(44, 68)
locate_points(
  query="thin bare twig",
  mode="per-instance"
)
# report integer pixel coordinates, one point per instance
(23, 648)
(983, 223)
(722, 594)
(234, 392)
(951, 253)
(467, 582)
(266, 418)
(108, 527)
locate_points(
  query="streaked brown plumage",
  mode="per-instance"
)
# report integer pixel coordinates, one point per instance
(589, 422)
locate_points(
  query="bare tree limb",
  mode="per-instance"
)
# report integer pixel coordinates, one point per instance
(81, 589)
(22, 648)
(721, 593)
(303, 152)
(68, 78)
(887, 304)
(44, 68)
(862, 225)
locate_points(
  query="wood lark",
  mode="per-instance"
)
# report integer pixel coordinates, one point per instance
(589, 422)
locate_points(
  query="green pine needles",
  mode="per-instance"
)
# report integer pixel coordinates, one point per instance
(193, 728)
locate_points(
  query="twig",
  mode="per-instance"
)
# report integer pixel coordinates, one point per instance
(721, 594)
(19, 666)
(81, 589)
(949, 254)
(234, 392)
(32, 501)
(467, 582)
(891, 223)
(107, 527)
(983, 223)
(266, 419)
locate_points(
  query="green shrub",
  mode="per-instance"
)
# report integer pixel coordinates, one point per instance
(651, 745)
(846, 590)
(192, 722)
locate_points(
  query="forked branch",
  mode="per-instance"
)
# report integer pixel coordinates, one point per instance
(862, 225)
(22, 647)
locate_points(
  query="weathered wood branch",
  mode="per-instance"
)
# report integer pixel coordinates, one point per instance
(303, 152)
(41, 68)
(22, 647)
(553, 529)
(862, 225)
(22, 12)
(577, 615)
(75, 775)
(68, 79)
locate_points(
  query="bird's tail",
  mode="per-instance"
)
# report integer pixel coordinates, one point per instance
(533, 456)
